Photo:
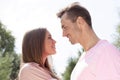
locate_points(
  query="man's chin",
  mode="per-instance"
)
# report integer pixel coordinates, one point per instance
(73, 43)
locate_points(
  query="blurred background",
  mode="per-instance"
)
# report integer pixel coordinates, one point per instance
(19, 16)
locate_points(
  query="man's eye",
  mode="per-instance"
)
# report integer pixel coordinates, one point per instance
(64, 28)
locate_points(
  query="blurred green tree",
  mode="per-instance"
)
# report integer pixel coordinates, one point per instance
(6, 40)
(71, 64)
(9, 60)
(117, 36)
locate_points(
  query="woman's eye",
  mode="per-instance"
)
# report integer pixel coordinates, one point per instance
(49, 37)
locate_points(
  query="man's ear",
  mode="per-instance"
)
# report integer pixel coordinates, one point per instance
(80, 21)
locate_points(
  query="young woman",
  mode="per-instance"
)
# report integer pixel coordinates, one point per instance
(37, 45)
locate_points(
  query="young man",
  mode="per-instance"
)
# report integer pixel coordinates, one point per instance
(101, 60)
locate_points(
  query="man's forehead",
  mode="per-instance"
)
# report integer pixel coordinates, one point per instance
(64, 16)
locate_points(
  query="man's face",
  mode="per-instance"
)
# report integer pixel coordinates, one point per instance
(69, 29)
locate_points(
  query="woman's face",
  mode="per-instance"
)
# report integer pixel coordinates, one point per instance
(49, 44)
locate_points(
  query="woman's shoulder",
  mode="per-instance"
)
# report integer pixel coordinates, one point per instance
(26, 68)
(31, 67)
(34, 70)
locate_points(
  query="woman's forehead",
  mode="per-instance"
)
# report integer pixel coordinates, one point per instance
(48, 33)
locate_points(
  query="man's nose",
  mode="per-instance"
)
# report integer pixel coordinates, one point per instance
(64, 34)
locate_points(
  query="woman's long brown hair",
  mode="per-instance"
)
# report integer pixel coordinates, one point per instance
(32, 48)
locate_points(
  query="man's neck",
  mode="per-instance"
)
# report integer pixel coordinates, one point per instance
(90, 41)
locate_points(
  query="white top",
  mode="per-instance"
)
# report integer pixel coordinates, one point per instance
(78, 67)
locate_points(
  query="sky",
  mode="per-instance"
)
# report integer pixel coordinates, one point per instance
(19, 16)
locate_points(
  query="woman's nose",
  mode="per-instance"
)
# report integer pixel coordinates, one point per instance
(54, 41)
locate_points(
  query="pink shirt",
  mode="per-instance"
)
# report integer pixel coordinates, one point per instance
(32, 71)
(102, 62)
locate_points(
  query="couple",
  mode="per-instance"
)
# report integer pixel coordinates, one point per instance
(100, 61)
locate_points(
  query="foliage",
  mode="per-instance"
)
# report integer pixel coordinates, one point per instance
(117, 37)
(69, 68)
(5, 64)
(15, 66)
(6, 40)
(9, 66)
(9, 60)
(71, 64)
